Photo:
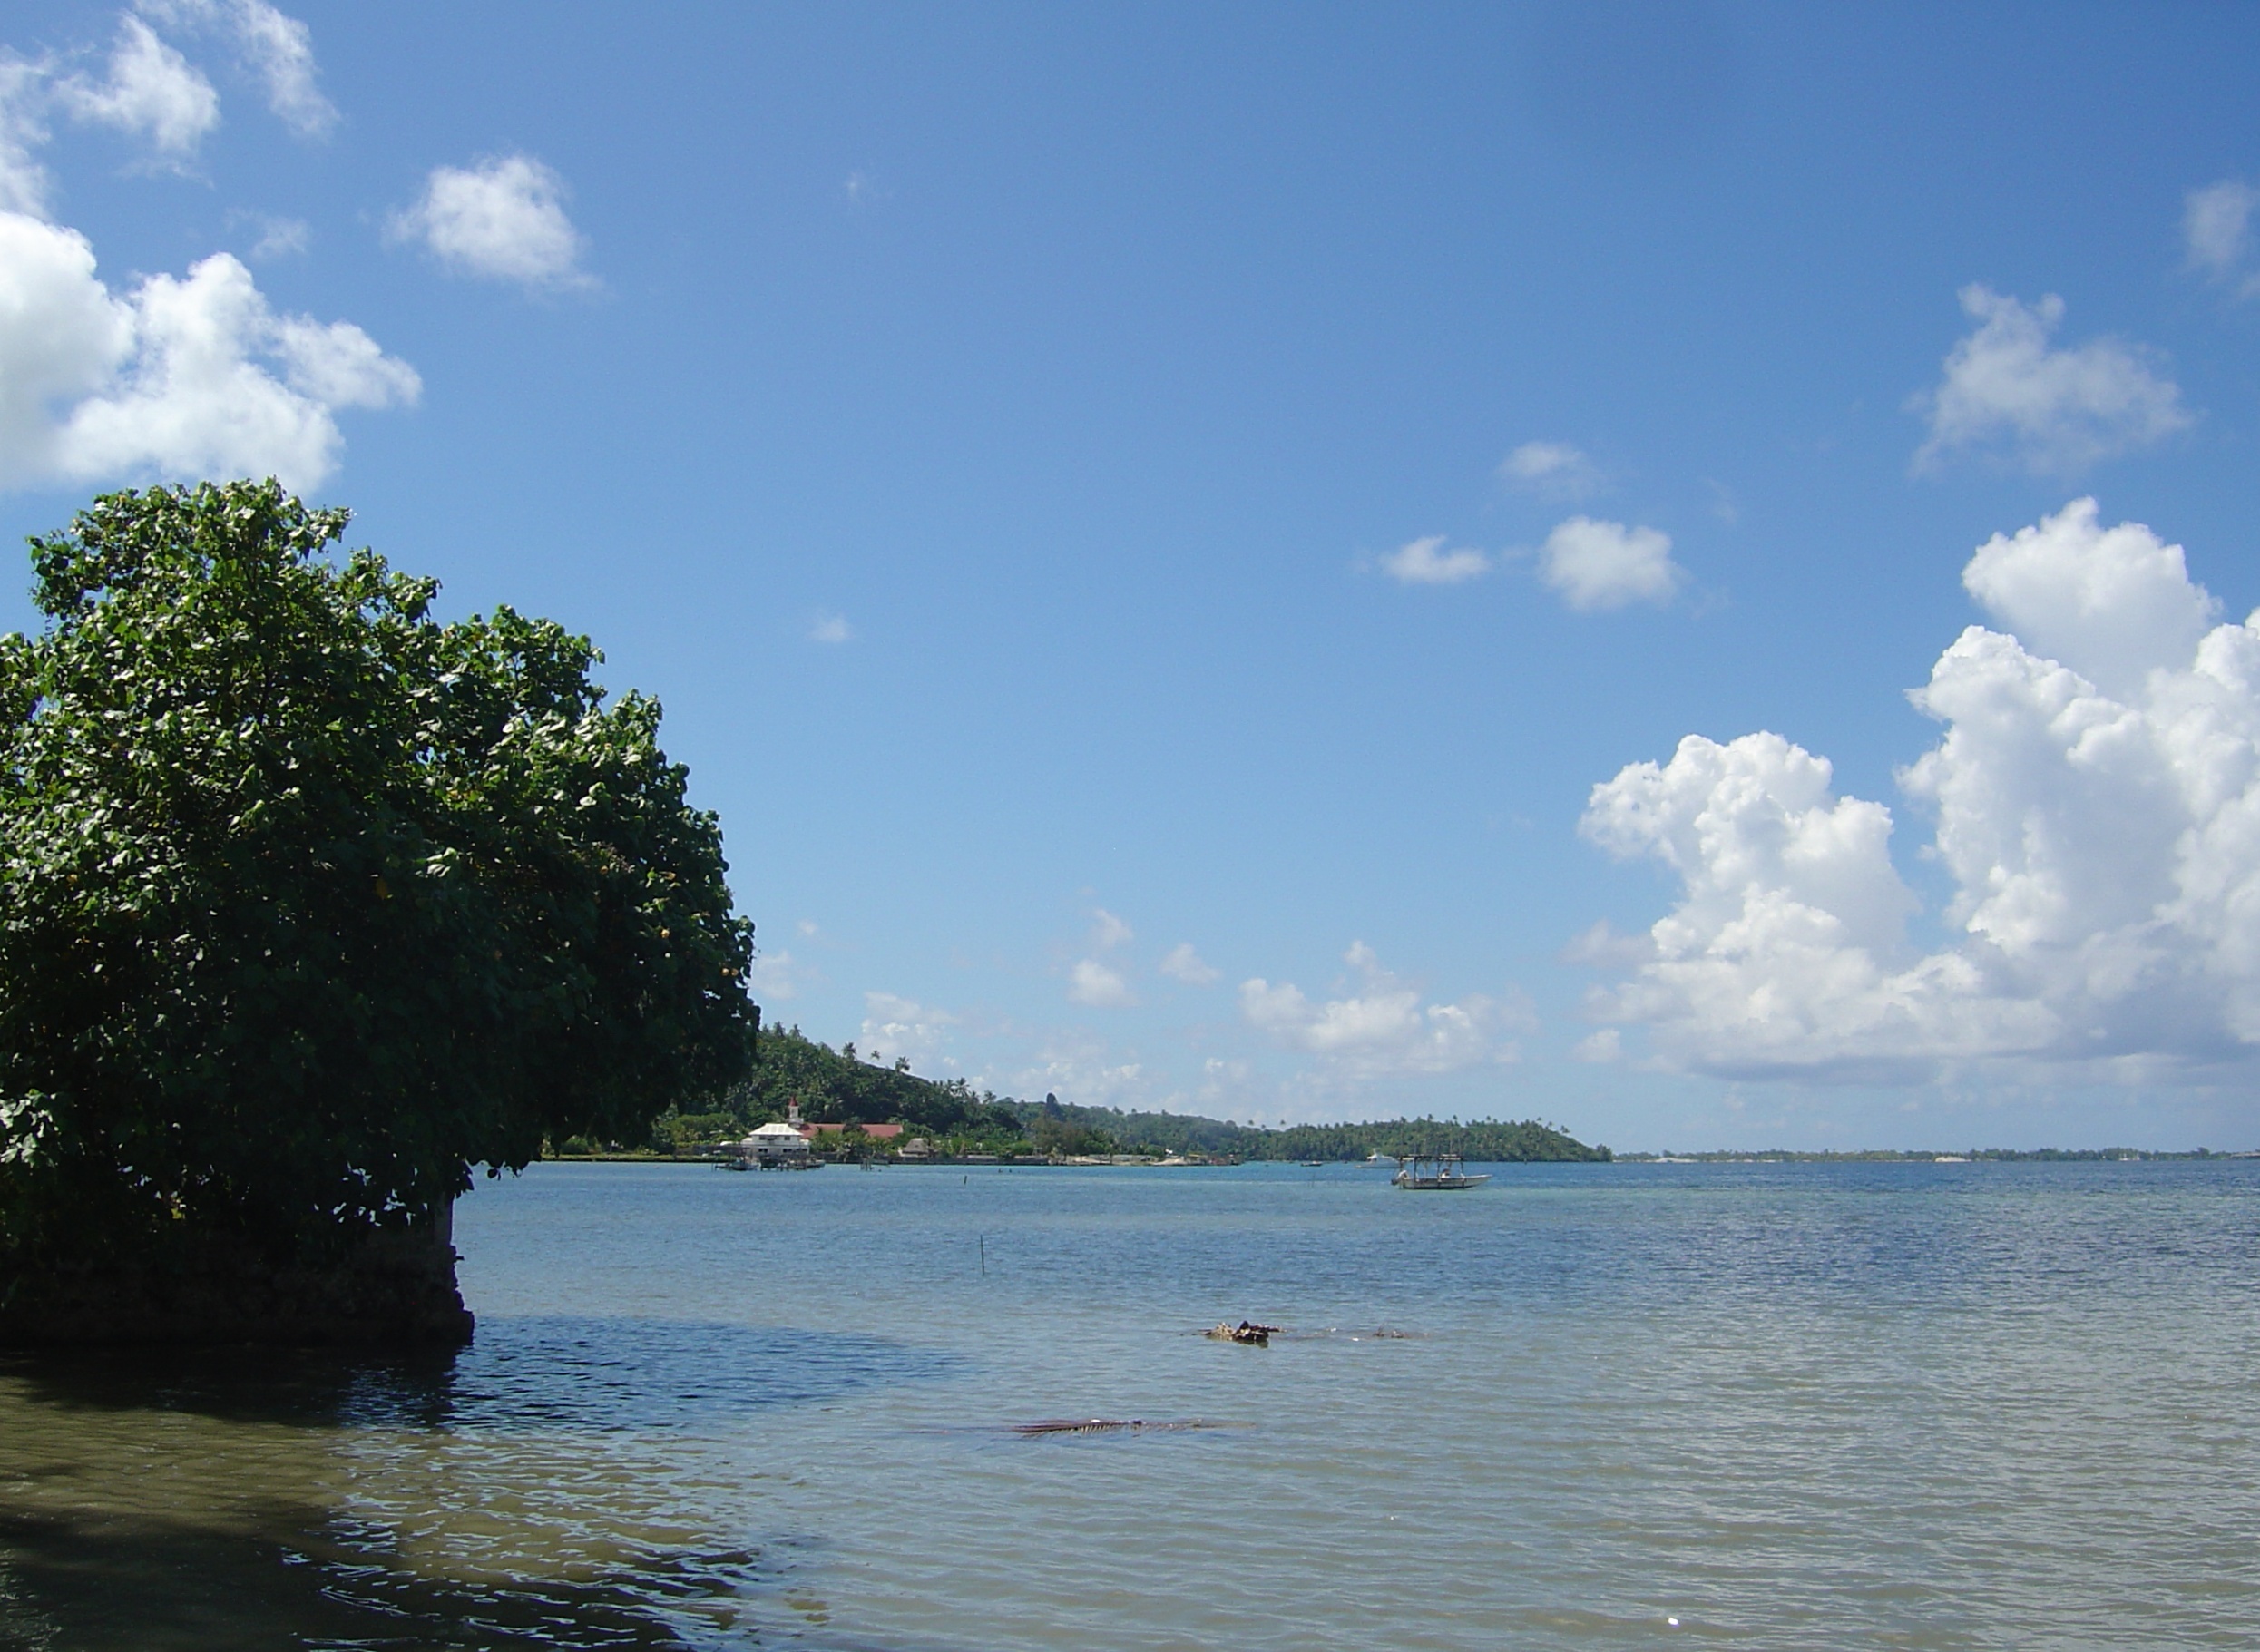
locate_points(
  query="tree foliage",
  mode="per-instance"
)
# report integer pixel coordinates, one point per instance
(309, 902)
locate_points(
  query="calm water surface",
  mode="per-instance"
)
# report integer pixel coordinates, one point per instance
(1904, 1406)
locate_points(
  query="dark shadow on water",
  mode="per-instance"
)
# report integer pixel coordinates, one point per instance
(550, 1372)
(596, 1373)
(154, 1586)
(99, 1572)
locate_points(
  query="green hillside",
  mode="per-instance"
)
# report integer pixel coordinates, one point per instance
(837, 1086)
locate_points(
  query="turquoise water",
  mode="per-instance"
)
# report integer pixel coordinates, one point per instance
(1906, 1406)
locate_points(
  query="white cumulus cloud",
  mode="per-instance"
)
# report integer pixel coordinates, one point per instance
(1094, 984)
(1552, 470)
(1597, 565)
(1423, 561)
(1107, 931)
(2006, 392)
(181, 376)
(2217, 231)
(1182, 963)
(1382, 1026)
(152, 91)
(503, 219)
(2114, 603)
(2097, 799)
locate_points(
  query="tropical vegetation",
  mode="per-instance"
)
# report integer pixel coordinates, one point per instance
(310, 901)
(837, 1086)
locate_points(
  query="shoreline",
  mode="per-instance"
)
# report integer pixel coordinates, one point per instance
(1982, 1155)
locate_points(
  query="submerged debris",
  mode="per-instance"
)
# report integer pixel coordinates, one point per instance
(1107, 1425)
(1246, 1331)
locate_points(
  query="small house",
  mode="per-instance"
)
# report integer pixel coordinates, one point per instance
(780, 1145)
(775, 1146)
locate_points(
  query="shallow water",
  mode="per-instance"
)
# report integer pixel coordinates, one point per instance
(1919, 1406)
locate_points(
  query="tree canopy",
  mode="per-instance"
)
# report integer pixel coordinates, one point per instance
(309, 902)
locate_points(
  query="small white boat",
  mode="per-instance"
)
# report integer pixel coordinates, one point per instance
(1434, 1173)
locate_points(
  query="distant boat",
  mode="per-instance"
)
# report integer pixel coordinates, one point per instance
(1434, 1173)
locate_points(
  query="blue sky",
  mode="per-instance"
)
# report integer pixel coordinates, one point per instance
(1168, 536)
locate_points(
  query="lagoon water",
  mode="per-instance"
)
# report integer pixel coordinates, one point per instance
(1587, 1407)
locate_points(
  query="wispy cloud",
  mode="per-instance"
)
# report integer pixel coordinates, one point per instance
(23, 91)
(896, 1028)
(832, 629)
(1552, 470)
(150, 92)
(1182, 963)
(1083, 1069)
(2217, 233)
(275, 47)
(1599, 1048)
(278, 237)
(1093, 983)
(1381, 1026)
(1601, 947)
(2007, 391)
(778, 976)
(1424, 562)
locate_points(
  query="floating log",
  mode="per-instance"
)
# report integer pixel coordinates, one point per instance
(1109, 1425)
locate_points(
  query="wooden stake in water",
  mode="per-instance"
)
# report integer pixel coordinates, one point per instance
(983, 1241)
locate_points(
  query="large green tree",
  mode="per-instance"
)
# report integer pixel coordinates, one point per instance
(310, 902)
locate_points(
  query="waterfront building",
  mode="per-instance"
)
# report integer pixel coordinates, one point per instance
(779, 1145)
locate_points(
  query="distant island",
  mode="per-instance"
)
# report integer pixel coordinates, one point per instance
(955, 1120)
